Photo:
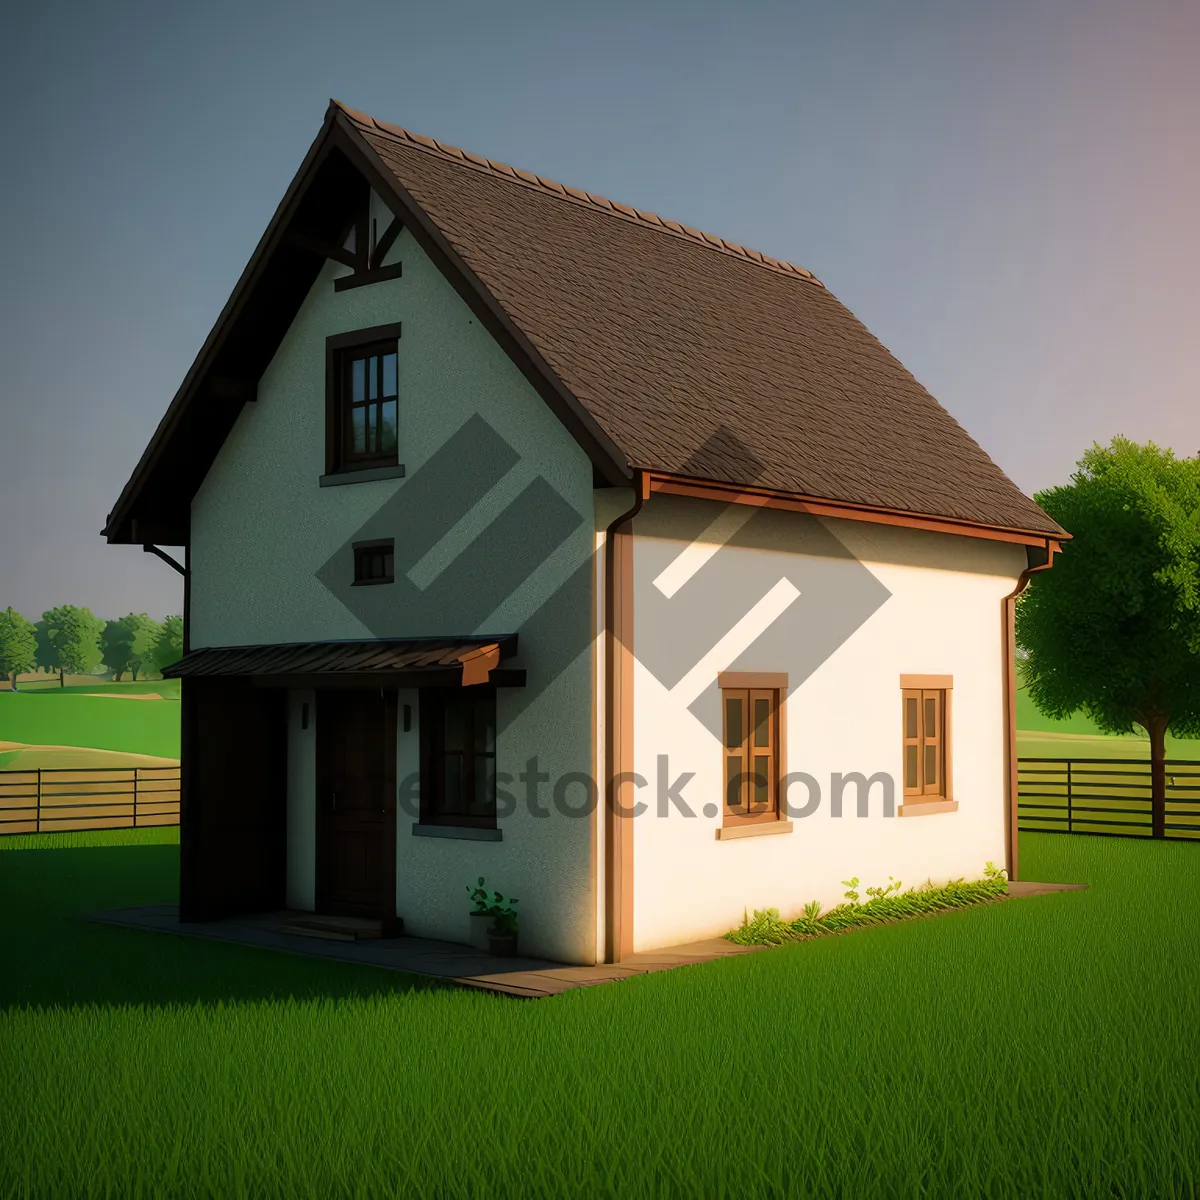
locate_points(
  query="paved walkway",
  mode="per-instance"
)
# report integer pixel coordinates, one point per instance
(532, 977)
(529, 977)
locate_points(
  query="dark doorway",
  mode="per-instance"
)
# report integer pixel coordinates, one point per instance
(356, 803)
(233, 810)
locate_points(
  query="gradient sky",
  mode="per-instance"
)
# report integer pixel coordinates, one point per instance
(1007, 195)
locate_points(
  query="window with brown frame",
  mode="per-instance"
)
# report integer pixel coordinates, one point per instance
(374, 562)
(751, 746)
(926, 733)
(458, 756)
(362, 400)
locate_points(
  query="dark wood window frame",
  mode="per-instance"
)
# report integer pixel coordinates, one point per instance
(475, 703)
(926, 741)
(341, 350)
(374, 562)
(757, 702)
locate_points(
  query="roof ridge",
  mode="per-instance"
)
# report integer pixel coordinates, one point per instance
(574, 195)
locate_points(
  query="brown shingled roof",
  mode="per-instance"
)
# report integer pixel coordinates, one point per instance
(680, 343)
(659, 346)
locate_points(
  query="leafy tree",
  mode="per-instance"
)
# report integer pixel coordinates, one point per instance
(168, 648)
(47, 656)
(1114, 628)
(74, 634)
(18, 644)
(116, 644)
(129, 643)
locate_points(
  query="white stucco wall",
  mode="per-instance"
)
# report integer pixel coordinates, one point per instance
(943, 616)
(263, 530)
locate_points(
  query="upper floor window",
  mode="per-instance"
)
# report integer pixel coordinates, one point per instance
(362, 400)
(374, 562)
(369, 402)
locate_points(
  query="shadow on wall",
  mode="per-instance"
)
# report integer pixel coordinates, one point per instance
(53, 958)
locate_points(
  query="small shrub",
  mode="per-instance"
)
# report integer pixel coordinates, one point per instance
(884, 904)
(765, 928)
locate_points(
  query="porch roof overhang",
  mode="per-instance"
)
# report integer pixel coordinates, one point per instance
(386, 662)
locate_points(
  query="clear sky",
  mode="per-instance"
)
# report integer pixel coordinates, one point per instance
(1007, 194)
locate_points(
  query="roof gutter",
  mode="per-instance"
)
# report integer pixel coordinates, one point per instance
(618, 725)
(1038, 559)
(702, 489)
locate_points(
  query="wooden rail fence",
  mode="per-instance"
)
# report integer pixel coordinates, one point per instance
(1106, 796)
(56, 799)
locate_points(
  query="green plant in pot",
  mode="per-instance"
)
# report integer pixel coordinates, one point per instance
(481, 915)
(502, 933)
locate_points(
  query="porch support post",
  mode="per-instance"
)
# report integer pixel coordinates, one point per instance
(618, 728)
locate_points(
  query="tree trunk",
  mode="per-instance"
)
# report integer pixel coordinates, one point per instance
(60, 678)
(14, 681)
(1156, 727)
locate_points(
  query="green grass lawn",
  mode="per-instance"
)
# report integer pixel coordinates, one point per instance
(86, 685)
(1077, 736)
(1032, 1047)
(99, 717)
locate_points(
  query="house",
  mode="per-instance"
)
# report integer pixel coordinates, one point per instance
(530, 536)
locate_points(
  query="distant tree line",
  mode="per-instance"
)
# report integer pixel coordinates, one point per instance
(74, 641)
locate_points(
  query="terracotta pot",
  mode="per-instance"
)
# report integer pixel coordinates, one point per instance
(502, 945)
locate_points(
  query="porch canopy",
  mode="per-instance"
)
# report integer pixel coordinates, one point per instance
(387, 662)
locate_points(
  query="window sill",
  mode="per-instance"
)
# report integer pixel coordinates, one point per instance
(761, 829)
(927, 808)
(465, 833)
(363, 475)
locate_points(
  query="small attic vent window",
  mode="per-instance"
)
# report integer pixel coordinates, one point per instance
(374, 562)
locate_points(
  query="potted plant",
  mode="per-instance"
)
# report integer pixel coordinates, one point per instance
(480, 920)
(502, 933)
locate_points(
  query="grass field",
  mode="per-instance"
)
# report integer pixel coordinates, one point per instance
(1078, 737)
(91, 685)
(1032, 1047)
(99, 717)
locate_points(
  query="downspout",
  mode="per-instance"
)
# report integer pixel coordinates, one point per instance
(616, 751)
(1009, 648)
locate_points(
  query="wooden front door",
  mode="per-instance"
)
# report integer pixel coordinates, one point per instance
(356, 803)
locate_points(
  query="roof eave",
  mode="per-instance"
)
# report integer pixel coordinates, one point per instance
(668, 483)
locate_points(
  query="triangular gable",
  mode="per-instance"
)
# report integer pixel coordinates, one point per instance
(328, 194)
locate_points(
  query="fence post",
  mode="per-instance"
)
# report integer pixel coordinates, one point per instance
(38, 810)
(1070, 815)
(135, 795)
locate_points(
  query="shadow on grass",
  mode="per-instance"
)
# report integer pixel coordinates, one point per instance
(54, 959)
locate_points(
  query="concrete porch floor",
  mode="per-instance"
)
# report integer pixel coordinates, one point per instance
(519, 976)
(533, 978)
